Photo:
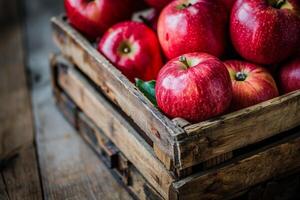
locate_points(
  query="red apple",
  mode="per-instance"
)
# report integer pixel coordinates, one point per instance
(134, 49)
(265, 31)
(186, 26)
(289, 76)
(158, 4)
(94, 17)
(194, 86)
(251, 84)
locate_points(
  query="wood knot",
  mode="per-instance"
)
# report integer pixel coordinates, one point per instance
(155, 132)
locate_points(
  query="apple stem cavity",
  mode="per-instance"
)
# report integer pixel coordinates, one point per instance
(240, 76)
(124, 48)
(280, 3)
(183, 60)
(277, 3)
(184, 6)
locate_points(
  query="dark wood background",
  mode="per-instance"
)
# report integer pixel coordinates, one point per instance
(53, 162)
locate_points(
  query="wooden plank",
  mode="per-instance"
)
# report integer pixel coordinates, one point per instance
(116, 128)
(20, 180)
(3, 191)
(284, 189)
(113, 158)
(239, 129)
(116, 86)
(243, 172)
(69, 168)
(97, 139)
(143, 190)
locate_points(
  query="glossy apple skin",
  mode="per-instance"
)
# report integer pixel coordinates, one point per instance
(158, 4)
(289, 76)
(144, 61)
(196, 93)
(202, 27)
(263, 34)
(93, 18)
(259, 85)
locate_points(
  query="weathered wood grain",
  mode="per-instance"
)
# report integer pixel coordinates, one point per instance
(116, 128)
(116, 86)
(235, 130)
(95, 138)
(282, 188)
(20, 180)
(115, 160)
(69, 168)
(243, 172)
(3, 191)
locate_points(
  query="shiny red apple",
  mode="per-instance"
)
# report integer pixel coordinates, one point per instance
(194, 86)
(186, 26)
(94, 17)
(158, 4)
(289, 76)
(265, 31)
(251, 84)
(134, 49)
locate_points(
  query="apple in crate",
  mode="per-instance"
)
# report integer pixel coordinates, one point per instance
(265, 31)
(134, 49)
(194, 86)
(251, 84)
(186, 26)
(158, 4)
(289, 76)
(94, 17)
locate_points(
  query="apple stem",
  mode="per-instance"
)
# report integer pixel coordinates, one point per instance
(240, 76)
(280, 3)
(277, 3)
(184, 61)
(145, 20)
(186, 5)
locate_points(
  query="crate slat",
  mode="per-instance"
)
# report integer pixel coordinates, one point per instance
(239, 129)
(243, 172)
(118, 164)
(117, 128)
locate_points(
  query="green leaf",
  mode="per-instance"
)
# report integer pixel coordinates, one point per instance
(147, 88)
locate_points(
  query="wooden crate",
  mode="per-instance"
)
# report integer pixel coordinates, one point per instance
(182, 147)
(98, 117)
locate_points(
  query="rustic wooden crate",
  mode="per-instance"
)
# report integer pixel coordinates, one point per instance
(181, 147)
(247, 167)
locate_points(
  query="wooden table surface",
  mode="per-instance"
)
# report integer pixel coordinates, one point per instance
(53, 163)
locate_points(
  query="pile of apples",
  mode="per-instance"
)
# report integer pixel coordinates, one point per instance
(198, 58)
